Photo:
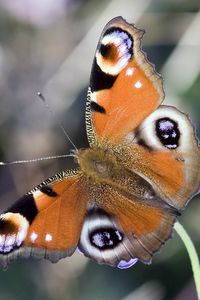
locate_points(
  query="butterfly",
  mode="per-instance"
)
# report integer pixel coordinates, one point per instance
(136, 177)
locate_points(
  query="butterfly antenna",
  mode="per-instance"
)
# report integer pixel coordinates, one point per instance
(40, 95)
(2, 163)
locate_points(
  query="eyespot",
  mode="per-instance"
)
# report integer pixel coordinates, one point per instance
(166, 128)
(105, 238)
(114, 51)
(168, 132)
(13, 231)
(100, 233)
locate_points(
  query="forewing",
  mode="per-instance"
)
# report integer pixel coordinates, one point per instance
(124, 87)
(45, 223)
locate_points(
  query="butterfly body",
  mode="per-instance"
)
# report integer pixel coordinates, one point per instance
(137, 175)
(103, 166)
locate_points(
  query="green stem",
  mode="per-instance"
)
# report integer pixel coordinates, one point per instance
(192, 254)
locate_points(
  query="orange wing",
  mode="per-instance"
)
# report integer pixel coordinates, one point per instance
(45, 223)
(165, 152)
(124, 87)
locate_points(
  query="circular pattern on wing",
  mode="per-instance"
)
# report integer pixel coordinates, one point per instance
(102, 240)
(166, 129)
(13, 231)
(168, 132)
(114, 51)
(105, 238)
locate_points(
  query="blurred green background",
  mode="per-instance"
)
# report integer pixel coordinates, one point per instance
(48, 46)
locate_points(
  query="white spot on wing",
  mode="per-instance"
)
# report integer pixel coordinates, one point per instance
(138, 85)
(37, 194)
(130, 71)
(33, 236)
(48, 237)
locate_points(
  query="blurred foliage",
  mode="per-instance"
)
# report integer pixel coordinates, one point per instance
(56, 57)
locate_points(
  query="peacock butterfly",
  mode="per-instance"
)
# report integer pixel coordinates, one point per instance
(121, 202)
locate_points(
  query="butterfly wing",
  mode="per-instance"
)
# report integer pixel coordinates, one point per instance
(119, 231)
(164, 150)
(124, 87)
(46, 222)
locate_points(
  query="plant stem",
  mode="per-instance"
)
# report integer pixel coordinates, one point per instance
(192, 254)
